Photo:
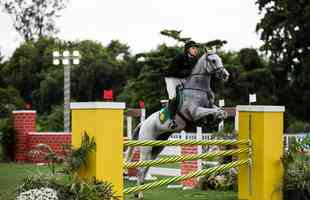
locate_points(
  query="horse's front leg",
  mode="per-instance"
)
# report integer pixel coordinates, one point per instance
(201, 112)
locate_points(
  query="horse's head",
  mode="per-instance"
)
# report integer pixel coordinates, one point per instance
(215, 66)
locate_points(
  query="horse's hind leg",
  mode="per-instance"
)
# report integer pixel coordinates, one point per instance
(135, 136)
(145, 154)
(150, 154)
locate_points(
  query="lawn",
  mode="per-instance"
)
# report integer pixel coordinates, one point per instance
(171, 165)
(11, 175)
(178, 194)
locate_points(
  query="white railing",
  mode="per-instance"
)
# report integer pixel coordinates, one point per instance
(175, 150)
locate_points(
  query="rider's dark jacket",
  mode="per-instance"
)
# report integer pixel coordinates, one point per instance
(181, 66)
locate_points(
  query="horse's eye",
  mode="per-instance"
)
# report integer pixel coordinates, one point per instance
(213, 61)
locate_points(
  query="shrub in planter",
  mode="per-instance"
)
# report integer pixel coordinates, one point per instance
(296, 164)
(222, 182)
(68, 187)
(297, 179)
(66, 183)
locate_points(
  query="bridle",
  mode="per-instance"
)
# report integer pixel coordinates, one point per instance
(214, 71)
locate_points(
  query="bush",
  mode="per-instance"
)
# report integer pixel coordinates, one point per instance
(7, 139)
(73, 158)
(298, 127)
(296, 164)
(66, 182)
(53, 121)
(223, 182)
(70, 187)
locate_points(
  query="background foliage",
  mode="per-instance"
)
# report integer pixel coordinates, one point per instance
(279, 77)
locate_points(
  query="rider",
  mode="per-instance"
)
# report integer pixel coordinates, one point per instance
(180, 68)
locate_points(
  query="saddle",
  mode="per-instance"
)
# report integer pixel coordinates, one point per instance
(211, 122)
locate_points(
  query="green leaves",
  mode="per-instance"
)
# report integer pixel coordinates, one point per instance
(34, 19)
(78, 158)
(285, 30)
(73, 159)
(70, 187)
(296, 164)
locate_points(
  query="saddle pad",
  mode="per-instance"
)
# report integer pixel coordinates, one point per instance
(164, 115)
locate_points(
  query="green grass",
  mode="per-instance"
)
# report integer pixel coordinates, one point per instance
(12, 174)
(162, 193)
(172, 165)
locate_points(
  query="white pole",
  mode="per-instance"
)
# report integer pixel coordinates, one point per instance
(129, 127)
(221, 124)
(66, 60)
(199, 148)
(67, 98)
(142, 114)
(236, 119)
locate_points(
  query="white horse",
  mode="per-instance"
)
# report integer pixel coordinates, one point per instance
(195, 105)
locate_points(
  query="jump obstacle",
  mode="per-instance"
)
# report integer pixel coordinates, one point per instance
(259, 149)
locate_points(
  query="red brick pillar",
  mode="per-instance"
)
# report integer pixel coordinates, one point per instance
(133, 172)
(24, 122)
(189, 166)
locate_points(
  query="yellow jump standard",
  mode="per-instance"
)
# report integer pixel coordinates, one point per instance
(263, 125)
(104, 121)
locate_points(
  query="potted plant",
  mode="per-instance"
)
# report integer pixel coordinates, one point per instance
(296, 162)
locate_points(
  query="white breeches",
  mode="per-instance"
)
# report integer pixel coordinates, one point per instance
(171, 85)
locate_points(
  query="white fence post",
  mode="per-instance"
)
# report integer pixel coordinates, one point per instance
(199, 148)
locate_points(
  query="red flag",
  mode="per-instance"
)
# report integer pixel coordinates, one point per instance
(141, 104)
(108, 95)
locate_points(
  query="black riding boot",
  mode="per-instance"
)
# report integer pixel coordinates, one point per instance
(172, 106)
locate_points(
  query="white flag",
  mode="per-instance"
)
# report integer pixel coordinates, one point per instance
(252, 98)
(221, 102)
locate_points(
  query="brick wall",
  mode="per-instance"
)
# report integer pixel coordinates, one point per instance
(27, 137)
(53, 140)
(133, 172)
(189, 166)
(24, 122)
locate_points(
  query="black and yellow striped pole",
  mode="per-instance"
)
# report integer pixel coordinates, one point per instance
(174, 159)
(204, 172)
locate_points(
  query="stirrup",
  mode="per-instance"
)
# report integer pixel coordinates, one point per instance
(172, 124)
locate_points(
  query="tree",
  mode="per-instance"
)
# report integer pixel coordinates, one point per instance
(1, 56)
(148, 84)
(9, 100)
(29, 65)
(250, 59)
(174, 34)
(285, 30)
(2, 83)
(33, 19)
(99, 69)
